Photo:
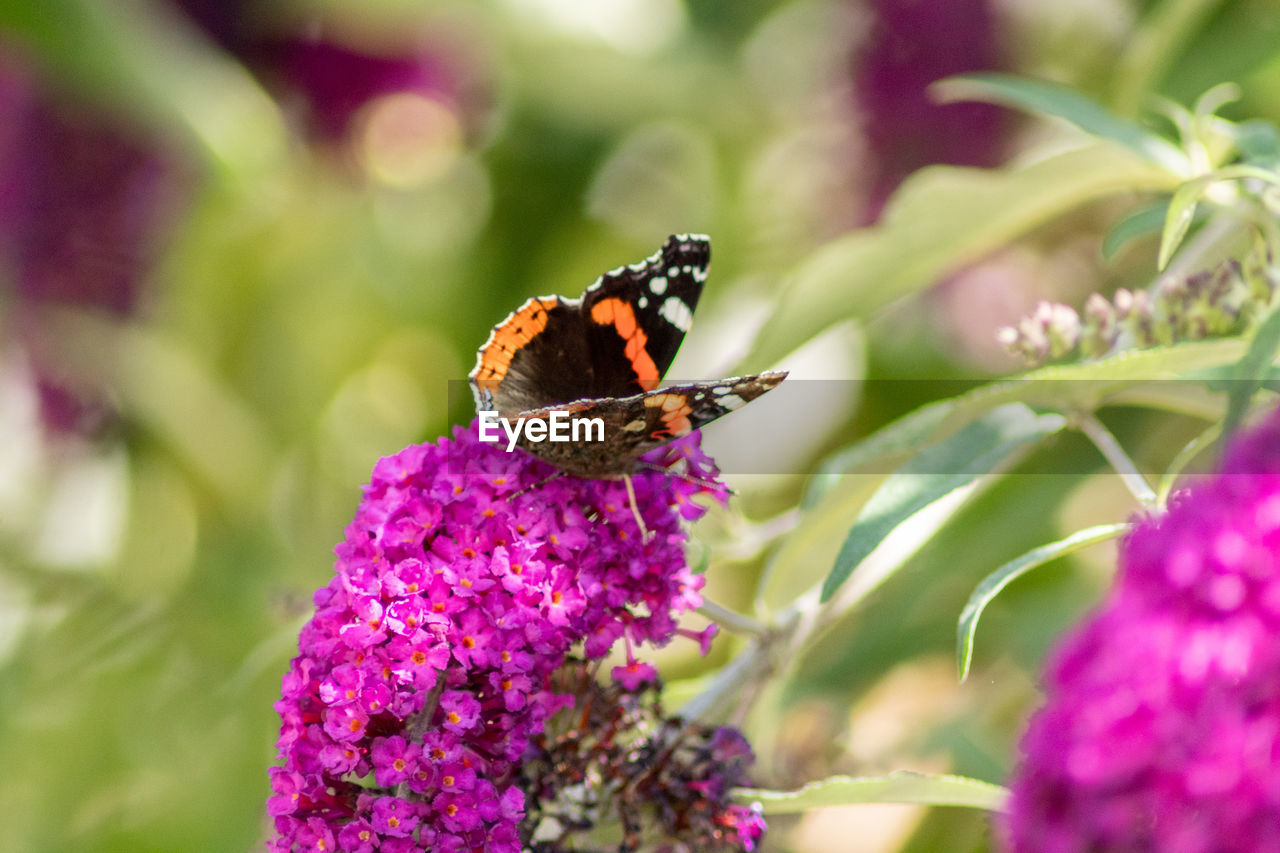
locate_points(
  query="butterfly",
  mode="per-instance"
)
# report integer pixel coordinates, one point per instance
(600, 359)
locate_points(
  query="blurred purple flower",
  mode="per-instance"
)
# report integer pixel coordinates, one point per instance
(333, 82)
(326, 82)
(465, 581)
(83, 207)
(910, 45)
(1161, 728)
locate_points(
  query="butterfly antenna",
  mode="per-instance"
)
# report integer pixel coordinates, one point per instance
(635, 510)
(537, 485)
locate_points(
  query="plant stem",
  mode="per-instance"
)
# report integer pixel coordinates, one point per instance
(1120, 461)
(732, 621)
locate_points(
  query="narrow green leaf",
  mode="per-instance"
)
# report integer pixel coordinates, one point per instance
(901, 787)
(1182, 207)
(1178, 218)
(1219, 379)
(1159, 39)
(806, 554)
(1083, 386)
(1192, 449)
(1152, 378)
(1252, 370)
(1051, 99)
(940, 219)
(909, 433)
(993, 583)
(1143, 221)
(976, 449)
(1258, 142)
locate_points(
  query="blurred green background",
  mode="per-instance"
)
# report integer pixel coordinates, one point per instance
(245, 247)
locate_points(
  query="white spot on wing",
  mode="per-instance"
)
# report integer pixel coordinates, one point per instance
(644, 302)
(658, 285)
(731, 401)
(677, 313)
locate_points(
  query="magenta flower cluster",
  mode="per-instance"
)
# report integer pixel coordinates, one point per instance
(1161, 729)
(464, 581)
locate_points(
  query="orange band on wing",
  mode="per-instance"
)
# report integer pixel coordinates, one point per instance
(675, 412)
(616, 313)
(516, 331)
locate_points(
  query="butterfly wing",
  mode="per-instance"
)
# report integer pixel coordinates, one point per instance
(636, 424)
(636, 316)
(536, 357)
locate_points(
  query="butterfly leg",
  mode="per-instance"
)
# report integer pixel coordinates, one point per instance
(635, 510)
(536, 485)
(711, 485)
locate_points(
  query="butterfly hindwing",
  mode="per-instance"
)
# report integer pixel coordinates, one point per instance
(636, 424)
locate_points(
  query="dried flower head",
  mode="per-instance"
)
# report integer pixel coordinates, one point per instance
(1206, 304)
(618, 760)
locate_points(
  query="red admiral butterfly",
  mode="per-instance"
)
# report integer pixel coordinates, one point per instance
(603, 356)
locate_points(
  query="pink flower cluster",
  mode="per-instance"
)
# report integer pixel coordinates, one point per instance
(464, 581)
(1161, 729)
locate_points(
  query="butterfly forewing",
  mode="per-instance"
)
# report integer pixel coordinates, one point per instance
(535, 357)
(636, 316)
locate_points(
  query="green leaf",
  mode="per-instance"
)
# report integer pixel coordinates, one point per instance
(904, 436)
(1258, 142)
(993, 583)
(1159, 40)
(976, 449)
(902, 786)
(1084, 386)
(1189, 452)
(1051, 99)
(805, 555)
(1178, 217)
(940, 219)
(1182, 207)
(1220, 378)
(1252, 370)
(1143, 221)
